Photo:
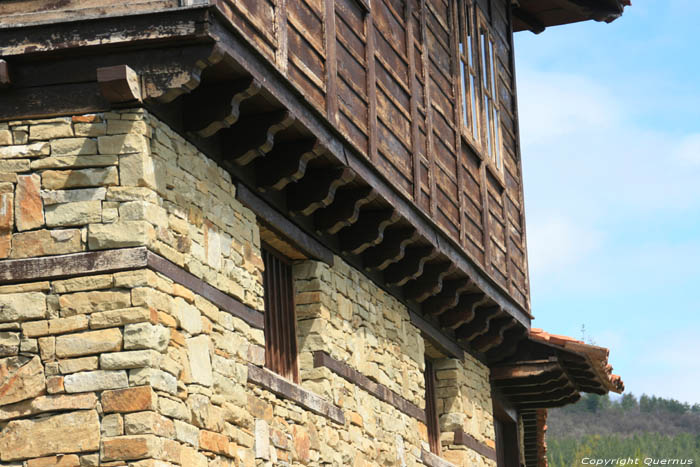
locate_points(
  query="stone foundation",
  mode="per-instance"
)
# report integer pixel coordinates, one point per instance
(160, 362)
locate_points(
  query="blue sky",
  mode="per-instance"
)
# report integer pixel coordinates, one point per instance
(610, 133)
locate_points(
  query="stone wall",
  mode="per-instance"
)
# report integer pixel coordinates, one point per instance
(141, 367)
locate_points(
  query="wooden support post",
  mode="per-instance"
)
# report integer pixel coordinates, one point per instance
(119, 84)
(4, 74)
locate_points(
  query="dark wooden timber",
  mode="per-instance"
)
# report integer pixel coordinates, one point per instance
(5, 80)
(71, 265)
(119, 84)
(436, 336)
(272, 382)
(465, 439)
(285, 164)
(198, 286)
(381, 392)
(367, 231)
(124, 259)
(305, 243)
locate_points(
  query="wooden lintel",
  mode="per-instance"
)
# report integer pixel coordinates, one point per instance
(5, 80)
(437, 337)
(532, 23)
(119, 84)
(304, 242)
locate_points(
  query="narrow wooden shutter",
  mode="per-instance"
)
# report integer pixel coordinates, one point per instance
(431, 409)
(280, 319)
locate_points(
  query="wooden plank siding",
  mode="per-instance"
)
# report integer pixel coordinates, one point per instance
(386, 74)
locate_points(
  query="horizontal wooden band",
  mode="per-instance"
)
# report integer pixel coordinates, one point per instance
(465, 439)
(436, 336)
(283, 388)
(381, 392)
(14, 271)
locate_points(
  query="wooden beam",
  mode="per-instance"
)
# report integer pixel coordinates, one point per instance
(286, 163)
(368, 231)
(211, 108)
(495, 335)
(254, 136)
(120, 85)
(447, 298)
(466, 439)
(531, 21)
(5, 80)
(345, 210)
(480, 324)
(429, 283)
(391, 250)
(524, 370)
(277, 221)
(410, 267)
(463, 312)
(317, 189)
(436, 336)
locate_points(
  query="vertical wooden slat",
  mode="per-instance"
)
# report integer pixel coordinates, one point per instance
(431, 414)
(415, 139)
(485, 215)
(456, 90)
(428, 111)
(371, 85)
(282, 44)
(331, 62)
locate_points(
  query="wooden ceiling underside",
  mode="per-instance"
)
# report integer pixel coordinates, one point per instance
(208, 84)
(536, 15)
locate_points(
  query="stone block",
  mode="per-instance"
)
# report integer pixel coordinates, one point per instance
(54, 385)
(123, 144)
(46, 242)
(79, 178)
(112, 425)
(51, 197)
(141, 423)
(51, 403)
(134, 399)
(122, 317)
(25, 151)
(29, 209)
(158, 379)
(70, 324)
(129, 360)
(21, 378)
(70, 214)
(90, 129)
(119, 234)
(88, 343)
(200, 360)
(214, 442)
(89, 302)
(99, 380)
(19, 307)
(24, 439)
(187, 433)
(68, 460)
(75, 365)
(146, 336)
(189, 317)
(73, 146)
(132, 193)
(73, 162)
(35, 328)
(174, 409)
(131, 447)
(56, 129)
(9, 344)
(14, 165)
(47, 348)
(79, 284)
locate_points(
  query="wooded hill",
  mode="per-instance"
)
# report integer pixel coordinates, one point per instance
(645, 427)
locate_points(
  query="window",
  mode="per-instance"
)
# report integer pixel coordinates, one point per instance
(431, 414)
(280, 319)
(479, 84)
(506, 430)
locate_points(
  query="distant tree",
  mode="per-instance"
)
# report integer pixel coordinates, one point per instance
(645, 403)
(628, 402)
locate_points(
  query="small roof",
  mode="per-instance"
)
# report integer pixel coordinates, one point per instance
(597, 357)
(536, 15)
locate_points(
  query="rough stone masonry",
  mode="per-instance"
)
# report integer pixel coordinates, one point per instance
(133, 368)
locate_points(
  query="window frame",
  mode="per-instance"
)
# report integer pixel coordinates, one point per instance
(281, 347)
(483, 132)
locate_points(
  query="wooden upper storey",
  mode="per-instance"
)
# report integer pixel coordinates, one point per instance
(423, 89)
(426, 91)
